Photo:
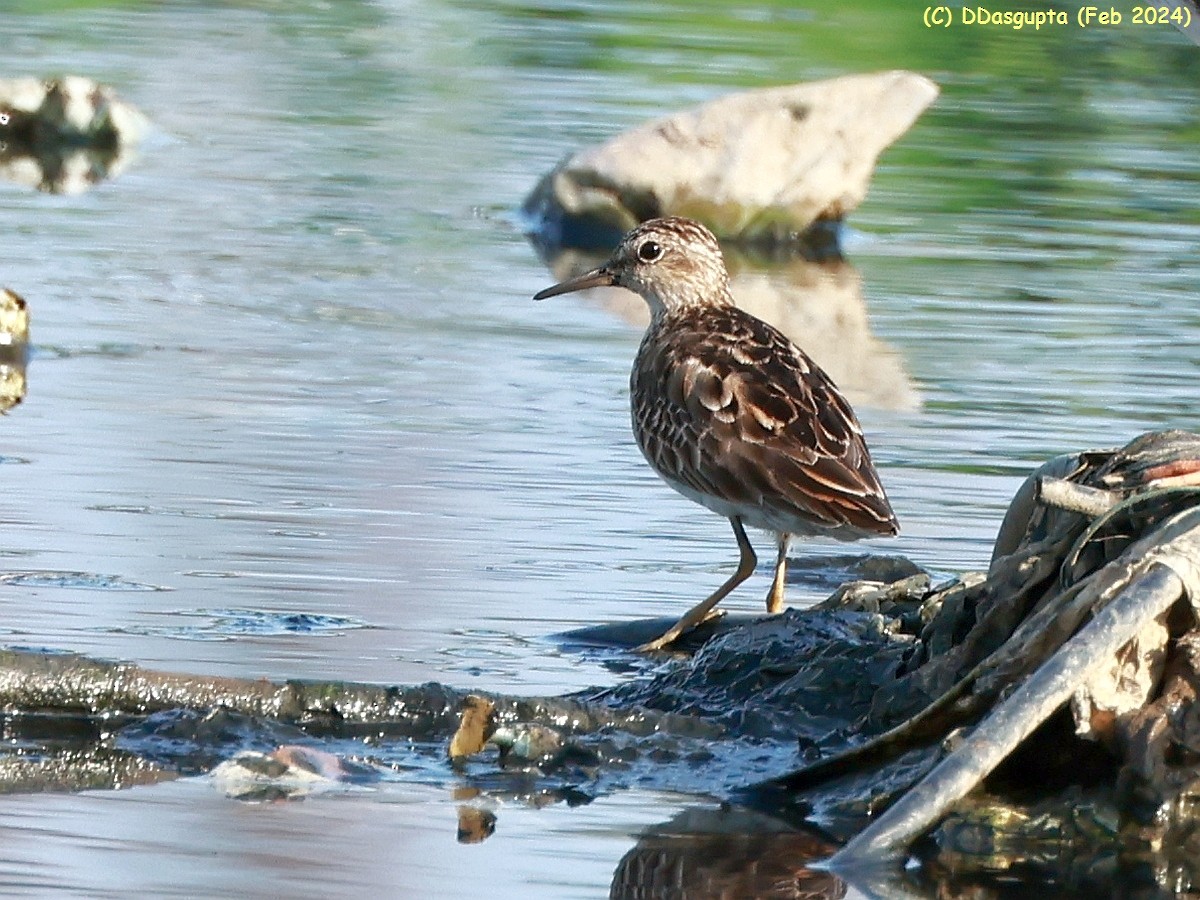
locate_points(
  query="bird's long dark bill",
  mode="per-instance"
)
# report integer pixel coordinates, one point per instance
(596, 278)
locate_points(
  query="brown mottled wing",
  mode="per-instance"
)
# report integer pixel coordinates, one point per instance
(725, 405)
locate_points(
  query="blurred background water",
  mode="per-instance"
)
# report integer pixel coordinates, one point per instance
(286, 370)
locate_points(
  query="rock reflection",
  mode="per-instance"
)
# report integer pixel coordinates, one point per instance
(64, 135)
(725, 852)
(819, 305)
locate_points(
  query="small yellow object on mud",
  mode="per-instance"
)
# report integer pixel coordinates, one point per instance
(476, 725)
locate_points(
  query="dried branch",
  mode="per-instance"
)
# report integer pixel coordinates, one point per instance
(1015, 718)
(1079, 498)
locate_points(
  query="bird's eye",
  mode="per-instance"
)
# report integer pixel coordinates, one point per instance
(650, 251)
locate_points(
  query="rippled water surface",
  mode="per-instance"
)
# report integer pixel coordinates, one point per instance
(292, 413)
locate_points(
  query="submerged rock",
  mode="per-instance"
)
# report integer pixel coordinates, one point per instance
(286, 773)
(766, 166)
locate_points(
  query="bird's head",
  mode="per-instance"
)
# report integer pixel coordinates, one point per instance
(674, 263)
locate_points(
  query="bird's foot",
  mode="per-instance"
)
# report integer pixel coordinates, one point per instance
(676, 631)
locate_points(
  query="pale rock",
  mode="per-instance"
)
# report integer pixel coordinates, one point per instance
(71, 109)
(759, 166)
(63, 135)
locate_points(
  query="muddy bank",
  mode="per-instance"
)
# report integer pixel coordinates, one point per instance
(1037, 718)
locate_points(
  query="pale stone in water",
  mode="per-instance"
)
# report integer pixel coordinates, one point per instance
(73, 108)
(759, 165)
(65, 134)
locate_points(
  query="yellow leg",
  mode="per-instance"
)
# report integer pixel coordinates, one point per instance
(775, 597)
(703, 610)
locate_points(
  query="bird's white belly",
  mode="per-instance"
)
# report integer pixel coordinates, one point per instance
(765, 517)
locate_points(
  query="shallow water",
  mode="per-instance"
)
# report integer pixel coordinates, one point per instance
(292, 413)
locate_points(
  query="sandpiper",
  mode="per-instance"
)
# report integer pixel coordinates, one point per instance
(731, 413)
